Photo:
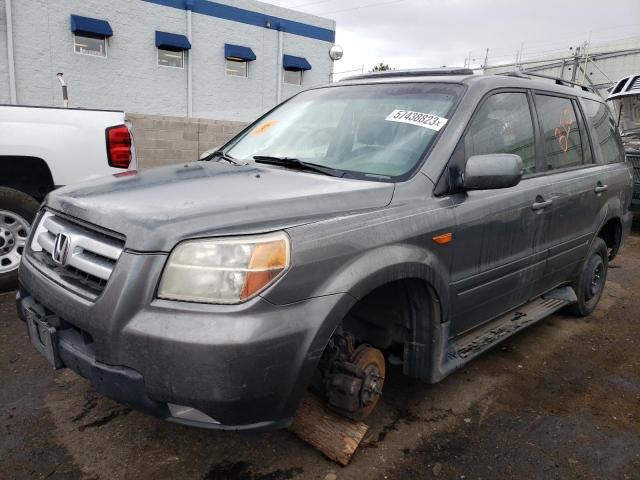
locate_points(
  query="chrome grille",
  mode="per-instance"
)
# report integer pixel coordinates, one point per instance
(90, 255)
(634, 159)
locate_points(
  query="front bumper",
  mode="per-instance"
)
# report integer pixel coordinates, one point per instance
(243, 367)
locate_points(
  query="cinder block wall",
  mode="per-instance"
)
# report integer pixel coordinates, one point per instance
(162, 140)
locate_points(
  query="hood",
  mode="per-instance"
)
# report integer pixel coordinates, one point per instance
(157, 208)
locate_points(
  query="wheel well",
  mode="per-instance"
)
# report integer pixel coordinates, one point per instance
(30, 175)
(396, 317)
(611, 233)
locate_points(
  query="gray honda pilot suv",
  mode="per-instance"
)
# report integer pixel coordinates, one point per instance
(414, 218)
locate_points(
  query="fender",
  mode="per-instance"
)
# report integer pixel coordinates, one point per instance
(373, 269)
(27, 174)
(611, 210)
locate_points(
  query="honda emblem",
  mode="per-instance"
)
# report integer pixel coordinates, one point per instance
(61, 249)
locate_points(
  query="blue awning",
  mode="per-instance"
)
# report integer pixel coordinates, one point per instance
(91, 26)
(236, 52)
(172, 41)
(289, 62)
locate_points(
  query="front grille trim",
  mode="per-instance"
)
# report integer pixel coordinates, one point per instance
(91, 259)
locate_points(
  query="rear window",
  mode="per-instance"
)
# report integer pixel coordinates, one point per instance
(563, 146)
(606, 142)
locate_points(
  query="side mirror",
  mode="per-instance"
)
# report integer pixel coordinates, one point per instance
(496, 170)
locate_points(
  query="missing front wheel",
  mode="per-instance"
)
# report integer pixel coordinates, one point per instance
(352, 377)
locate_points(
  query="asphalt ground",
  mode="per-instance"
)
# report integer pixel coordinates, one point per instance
(559, 400)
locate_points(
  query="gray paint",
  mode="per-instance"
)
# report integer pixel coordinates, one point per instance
(486, 172)
(130, 79)
(347, 238)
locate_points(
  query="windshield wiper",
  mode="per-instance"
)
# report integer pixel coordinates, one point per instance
(222, 156)
(289, 162)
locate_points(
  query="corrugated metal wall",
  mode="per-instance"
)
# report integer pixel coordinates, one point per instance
(596, 65)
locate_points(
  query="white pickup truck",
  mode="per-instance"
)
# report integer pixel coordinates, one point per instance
(43, 148)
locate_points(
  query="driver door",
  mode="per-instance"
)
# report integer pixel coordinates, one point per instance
(498, 257)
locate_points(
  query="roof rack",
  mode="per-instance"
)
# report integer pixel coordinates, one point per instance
(419, 72)
(557, 80)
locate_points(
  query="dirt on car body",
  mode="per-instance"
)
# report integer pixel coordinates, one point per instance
(559, 400)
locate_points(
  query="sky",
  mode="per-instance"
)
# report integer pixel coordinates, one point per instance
(432, 33)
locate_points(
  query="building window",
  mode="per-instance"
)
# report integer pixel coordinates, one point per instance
(237, 68)
(293, 77)
(170, 58)
(294, 68)
(94, 45)
(90, 35)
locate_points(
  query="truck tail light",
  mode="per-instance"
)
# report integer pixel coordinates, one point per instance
(118, 146)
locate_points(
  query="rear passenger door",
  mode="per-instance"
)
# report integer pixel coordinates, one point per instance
(575, 186)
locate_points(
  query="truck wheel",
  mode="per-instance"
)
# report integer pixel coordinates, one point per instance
(590, 283)
(17, 211)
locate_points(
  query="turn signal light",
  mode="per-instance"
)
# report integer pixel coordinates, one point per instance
(443, 239)
(267, 262)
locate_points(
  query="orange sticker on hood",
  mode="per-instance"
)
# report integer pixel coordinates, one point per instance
(263, 128)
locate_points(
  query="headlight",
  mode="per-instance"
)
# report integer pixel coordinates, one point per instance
(229, 270)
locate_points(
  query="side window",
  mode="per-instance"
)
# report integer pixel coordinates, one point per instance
(606, 142)
(560, 132)
(503, 125)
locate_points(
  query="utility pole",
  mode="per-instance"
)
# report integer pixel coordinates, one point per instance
(585, 55)
(519, 61)
(486, 60)
(576, 61)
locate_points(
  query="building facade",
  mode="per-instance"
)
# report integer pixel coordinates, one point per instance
(228, 60)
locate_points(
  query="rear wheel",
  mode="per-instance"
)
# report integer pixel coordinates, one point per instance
(17, 211)
(593, 277)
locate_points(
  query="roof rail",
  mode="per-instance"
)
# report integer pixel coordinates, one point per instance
(557, 80)
(419, 72)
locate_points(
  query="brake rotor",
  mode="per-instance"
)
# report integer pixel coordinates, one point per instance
(371, 361)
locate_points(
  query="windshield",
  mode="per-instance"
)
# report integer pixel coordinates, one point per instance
(375, 132)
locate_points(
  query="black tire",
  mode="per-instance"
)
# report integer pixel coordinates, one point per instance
(590, 283)
(19, 206)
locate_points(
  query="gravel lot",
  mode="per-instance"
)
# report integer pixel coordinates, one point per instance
(560, 400)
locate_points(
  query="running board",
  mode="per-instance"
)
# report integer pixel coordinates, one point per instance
(479, 341)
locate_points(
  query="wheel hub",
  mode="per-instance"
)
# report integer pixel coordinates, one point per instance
(371, 361)
(353, 377)
(13, 236)
(595, 283)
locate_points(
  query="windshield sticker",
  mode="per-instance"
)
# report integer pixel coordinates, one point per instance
(424, 120)
(263, 128)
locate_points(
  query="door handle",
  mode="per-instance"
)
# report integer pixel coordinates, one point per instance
(540, 204)
(601, 188)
